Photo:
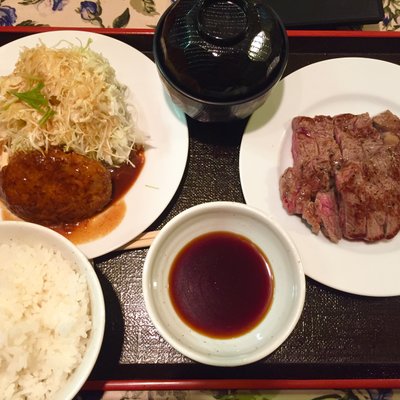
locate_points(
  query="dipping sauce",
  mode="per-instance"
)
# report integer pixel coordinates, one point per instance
(221, 285)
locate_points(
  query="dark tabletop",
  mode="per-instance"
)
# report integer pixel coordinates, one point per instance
(339, 335)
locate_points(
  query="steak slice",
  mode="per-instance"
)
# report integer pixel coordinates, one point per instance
(367, 181)
(350, 131)
(350, 186)
(312, 138)
(289, 189)
(387, 122)
(315, 155)
(369, 194)
(300, 184)
(388, 125)
(383, 176)
(327, 210)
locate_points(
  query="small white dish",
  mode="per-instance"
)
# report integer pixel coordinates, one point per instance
(32, 235)
(287, 270)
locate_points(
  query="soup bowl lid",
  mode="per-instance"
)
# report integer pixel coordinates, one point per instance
(221, 50)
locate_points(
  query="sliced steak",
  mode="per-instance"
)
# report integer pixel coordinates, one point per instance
(350, 189)
(350, 131)
(300, 185)
(345, 179)
(387, 122)
(310, 215)
(289, 189)
(389, 125)
(316, 155)
(313, 137)
(328, 213)
(383, 177)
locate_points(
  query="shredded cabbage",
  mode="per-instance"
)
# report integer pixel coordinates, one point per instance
(89, 111)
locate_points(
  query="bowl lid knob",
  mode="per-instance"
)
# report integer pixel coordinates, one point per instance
(222, 22)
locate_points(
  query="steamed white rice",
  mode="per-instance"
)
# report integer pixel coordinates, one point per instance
(44, 321)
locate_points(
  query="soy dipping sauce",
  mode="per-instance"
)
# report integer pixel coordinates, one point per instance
(221, 285)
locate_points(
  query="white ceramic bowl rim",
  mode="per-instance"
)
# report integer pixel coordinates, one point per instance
(262, 340)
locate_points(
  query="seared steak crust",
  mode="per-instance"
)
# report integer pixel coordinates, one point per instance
(345, 178)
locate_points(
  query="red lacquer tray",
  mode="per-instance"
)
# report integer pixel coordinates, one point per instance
(341, 340)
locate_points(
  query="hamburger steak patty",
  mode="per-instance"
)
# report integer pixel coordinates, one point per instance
(55, 187)
(345, 178)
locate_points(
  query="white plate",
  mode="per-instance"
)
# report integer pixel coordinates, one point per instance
(354, 85)
(167, 145)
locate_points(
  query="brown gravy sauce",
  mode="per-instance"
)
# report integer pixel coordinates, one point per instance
(221, 285)
(105, 222)
(96, 226)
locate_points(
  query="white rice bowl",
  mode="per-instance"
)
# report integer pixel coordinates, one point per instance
(51, 314)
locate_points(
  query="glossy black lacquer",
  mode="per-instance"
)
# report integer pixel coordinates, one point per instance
(219, 58)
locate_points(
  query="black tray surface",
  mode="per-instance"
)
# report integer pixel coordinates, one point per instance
(339, 335)
(306, 13)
